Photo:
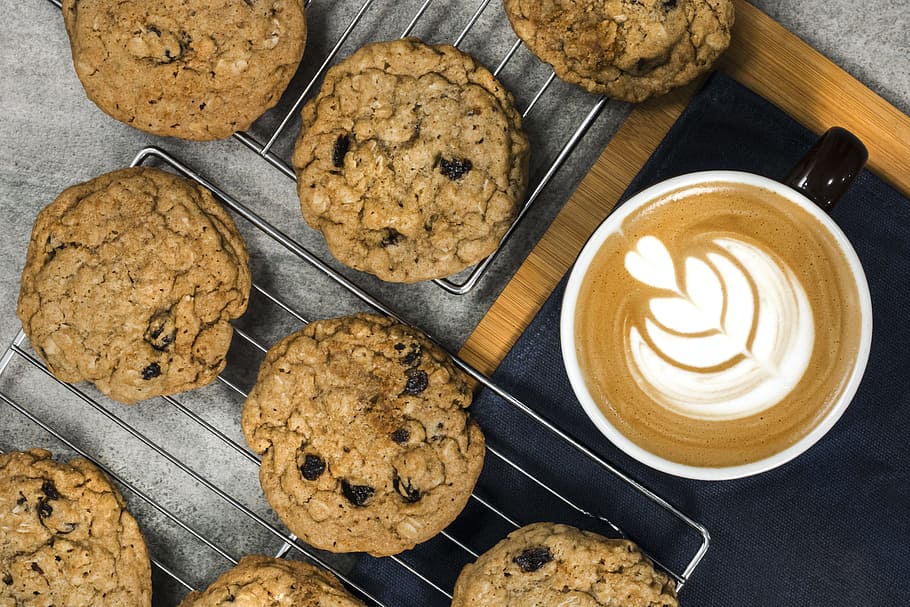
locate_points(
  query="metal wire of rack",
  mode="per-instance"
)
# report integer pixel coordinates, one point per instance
(430, 589)
(260, 527)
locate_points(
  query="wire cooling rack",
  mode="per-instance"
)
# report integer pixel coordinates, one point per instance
(264, 147)
(533, 83)
(243, 522)
(182, 462)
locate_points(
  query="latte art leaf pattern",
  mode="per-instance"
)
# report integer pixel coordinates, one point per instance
(651, 264)
(729, 338)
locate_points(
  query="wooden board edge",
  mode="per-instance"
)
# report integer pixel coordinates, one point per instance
(760, 56)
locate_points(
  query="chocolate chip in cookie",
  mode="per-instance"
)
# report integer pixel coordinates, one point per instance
(313, 467)
(151, 371)
(456, 168)
(401, 435)
(409, 492)
(342, 145)
(161, 331)
(417, 381)
(359, 495)
(532, 559)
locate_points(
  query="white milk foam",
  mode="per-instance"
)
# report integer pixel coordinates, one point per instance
(731, 342)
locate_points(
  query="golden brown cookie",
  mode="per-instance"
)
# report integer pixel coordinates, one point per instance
(411, 161)
(365, 441)
(195, 69)
(131, 281)
(625, 49)
(553, 564)
(66, 537)
(262, 581)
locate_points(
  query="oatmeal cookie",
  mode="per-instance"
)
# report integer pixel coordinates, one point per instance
(625, 49)
(270, 582)
(365, 441)
(195, 69)
(66, 537)
(553, 564)
(130, 282)
(411, 161)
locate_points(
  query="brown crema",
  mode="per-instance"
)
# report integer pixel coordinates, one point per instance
(611, 302)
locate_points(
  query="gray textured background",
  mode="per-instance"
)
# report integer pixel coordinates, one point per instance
(52, 137)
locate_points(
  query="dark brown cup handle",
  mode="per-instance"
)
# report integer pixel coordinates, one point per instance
(829, 167)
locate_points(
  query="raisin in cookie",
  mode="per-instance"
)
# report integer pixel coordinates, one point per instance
(365, 441)
(625, 49)
(195, 69)
(553, 564)
(270, 582)
(66, 537)
(411, 161)
(131, 281)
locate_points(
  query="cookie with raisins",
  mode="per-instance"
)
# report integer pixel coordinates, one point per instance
(365, 439)
(66, 537)
(411, 161)
(264, 580)
(625, 49)
(194, 69)
(554, 564)
(131, 281)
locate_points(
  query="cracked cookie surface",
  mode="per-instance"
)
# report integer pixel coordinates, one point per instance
(411, 161)
(66, 537)
(366, 444)
(554, 564)
(130, 282)
(264, 581)
(625, 49)
(197, 69)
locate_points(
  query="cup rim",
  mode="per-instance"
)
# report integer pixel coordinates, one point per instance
(570, 299)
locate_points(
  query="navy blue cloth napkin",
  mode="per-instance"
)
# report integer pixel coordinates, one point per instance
(831, 527)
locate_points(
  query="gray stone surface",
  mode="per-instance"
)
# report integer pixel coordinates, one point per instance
(52, 136)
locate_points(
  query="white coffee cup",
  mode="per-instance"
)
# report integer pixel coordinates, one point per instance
(823, 174)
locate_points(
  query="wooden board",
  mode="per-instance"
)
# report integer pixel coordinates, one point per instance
(765, 57)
